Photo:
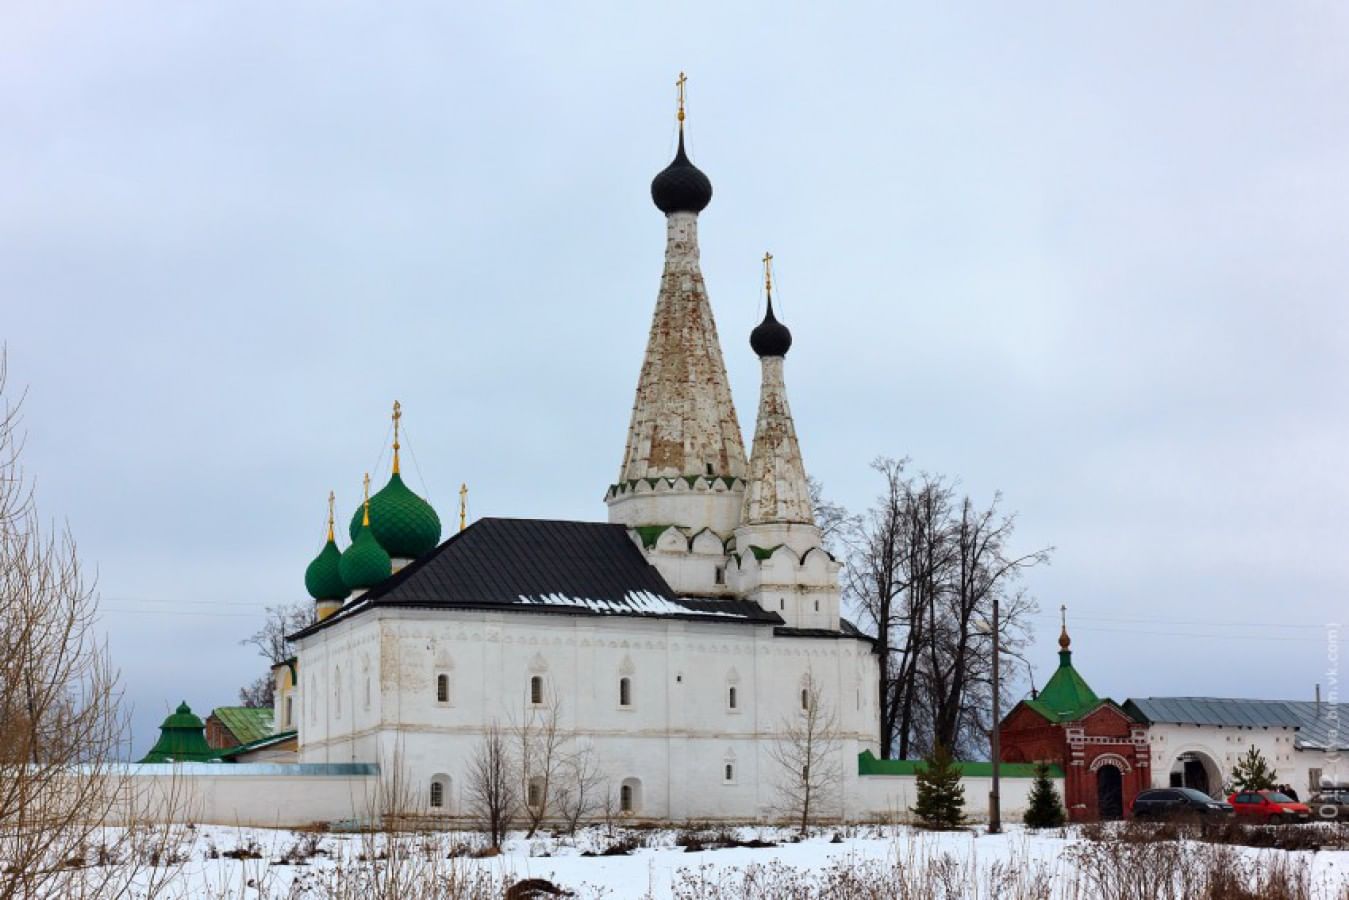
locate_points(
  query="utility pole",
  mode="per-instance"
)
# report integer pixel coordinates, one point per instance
(994, 796)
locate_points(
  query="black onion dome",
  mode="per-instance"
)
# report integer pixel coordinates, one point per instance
(681, 186)
(770, 337)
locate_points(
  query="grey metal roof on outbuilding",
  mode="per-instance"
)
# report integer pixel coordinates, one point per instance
(1320, 726)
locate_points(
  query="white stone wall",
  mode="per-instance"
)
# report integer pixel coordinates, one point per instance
(263, 795)
(676, 738)
(1224, 746)
(890, 798)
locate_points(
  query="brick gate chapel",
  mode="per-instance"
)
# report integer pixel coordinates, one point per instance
(1102, 748)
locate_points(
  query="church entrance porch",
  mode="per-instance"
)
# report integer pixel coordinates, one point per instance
(1109, 792)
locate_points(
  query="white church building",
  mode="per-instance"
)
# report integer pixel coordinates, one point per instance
(678, 641)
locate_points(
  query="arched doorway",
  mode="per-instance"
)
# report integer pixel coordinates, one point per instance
(1109, 792)
(1196, 769)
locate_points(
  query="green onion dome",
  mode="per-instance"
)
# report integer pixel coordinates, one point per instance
(404, 524)
(323, 578)
(365, 563)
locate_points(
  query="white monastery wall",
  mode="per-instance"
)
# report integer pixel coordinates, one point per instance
(672, 742)
(890, 798)
(262, 795)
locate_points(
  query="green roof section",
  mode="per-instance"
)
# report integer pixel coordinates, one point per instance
(323, 578)
(404, 524)
(247, 723)
(650, 533)
(1067, 696)
(182, 738)
(868, 764)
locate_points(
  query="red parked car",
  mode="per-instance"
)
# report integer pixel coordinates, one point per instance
(1269, 806)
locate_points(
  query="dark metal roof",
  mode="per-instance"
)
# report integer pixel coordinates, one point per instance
(541, 565)
(1320, 726)
(846, 629)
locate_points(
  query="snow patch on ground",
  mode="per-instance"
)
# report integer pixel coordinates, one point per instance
(286, 864)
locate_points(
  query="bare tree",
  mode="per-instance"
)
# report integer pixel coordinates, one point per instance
(61, 729)
(806, 753)
(580, 791)
(540, 744)
(924, 568)
(492, 796)
(270, 641)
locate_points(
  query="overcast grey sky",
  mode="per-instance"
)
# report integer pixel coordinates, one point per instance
(1093, 257)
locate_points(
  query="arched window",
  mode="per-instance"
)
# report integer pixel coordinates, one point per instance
(630, 796)
(805, 698)
(730, 697)
(817, 606)
(534, 793)
(730, 772)
(536, 689)
(782, 603)
(289, 715)
(442, 688)
(440, 792)
(625, 692)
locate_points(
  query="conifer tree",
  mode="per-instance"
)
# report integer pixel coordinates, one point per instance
(1045, 809)
(941, 796)
(1252, 772)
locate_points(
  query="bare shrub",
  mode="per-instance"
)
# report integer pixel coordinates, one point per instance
(492, 796)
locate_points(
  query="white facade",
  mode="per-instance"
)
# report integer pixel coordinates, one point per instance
(370, 694)
(1217, 749)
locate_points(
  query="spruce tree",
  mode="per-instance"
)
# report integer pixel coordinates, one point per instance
(941, 796)
(1252, 772)
(1045, 809)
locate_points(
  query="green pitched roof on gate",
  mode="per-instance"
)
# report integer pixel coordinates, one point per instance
(1067, 696)
(868, 764)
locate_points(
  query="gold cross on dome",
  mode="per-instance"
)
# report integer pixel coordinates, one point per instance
(463, 506)
(768, 273)
(679, 85)
(397, 414)
(332, 498)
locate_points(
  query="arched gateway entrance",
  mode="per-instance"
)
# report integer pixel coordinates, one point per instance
(1196, 769)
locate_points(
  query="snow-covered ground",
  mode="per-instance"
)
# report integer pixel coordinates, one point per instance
(909, 863)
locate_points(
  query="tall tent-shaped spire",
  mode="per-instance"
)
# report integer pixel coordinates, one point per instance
(683, 423)
(781, 563)
(777, 490)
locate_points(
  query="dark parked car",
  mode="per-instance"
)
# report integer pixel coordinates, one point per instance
(1178, 803)
(1330, 804)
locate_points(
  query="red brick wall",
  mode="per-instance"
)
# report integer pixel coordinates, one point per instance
(217, 735)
